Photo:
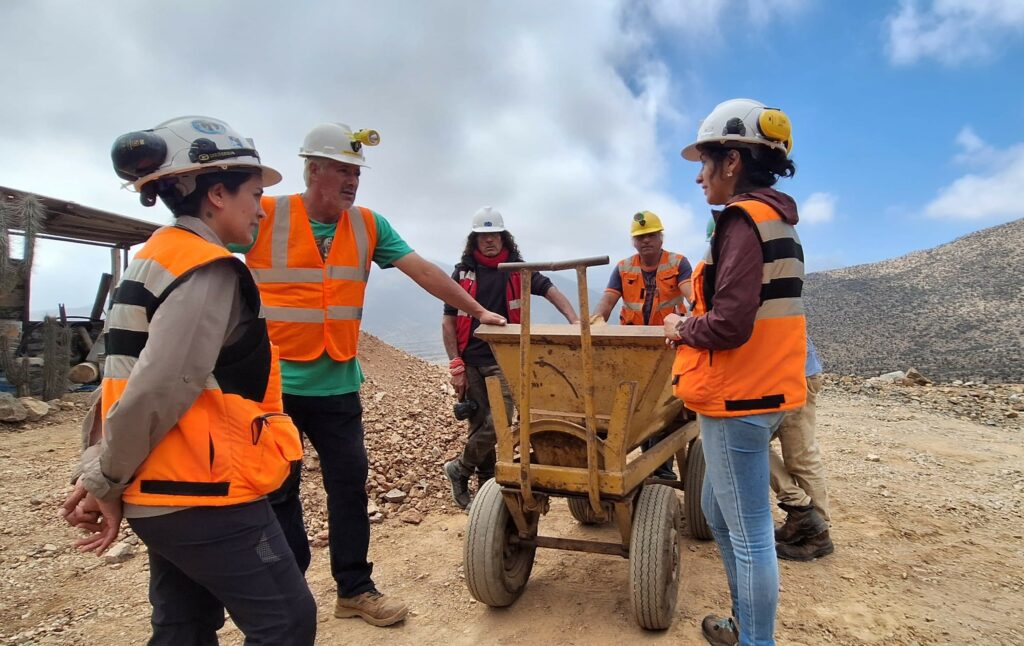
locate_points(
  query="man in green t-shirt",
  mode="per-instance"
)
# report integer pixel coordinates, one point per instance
(311, 258)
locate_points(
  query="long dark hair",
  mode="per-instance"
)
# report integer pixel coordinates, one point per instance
(508, 241)
(762, 166)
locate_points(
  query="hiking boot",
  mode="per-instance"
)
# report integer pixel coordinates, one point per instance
(807, 550)
(372, 607)
(801, 524)
(665, 474)
(720, 631)
(460, 483)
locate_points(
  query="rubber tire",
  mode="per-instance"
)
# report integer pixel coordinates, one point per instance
(496, 571)
(582, 512)
(655, 557)
(693, 488)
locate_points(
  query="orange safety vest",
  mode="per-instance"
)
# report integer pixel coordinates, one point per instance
(312, 306)
(668, 299)
(765, 374)
(234, 444)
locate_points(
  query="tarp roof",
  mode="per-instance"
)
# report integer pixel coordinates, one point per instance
(76, 223)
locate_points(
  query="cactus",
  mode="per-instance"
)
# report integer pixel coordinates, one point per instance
(15, 370)
(56, 358)
(29, 214)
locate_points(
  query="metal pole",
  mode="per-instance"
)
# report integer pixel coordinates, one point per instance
(587, 354)
(525, 368)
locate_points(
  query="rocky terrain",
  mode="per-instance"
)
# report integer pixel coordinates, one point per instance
(955, 311)
(927, 484)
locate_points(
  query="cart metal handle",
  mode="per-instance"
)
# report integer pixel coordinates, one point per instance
(526, 270)
(593, 261)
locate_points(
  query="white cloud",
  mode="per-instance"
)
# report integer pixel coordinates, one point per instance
(991, 192)
(561, 116)
(818, 208)
(704, 17)
(952, 31)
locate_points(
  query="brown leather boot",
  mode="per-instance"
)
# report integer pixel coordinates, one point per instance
(807, 550)
(801, 524)
(372, 607)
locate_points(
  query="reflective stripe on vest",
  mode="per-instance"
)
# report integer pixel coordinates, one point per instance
(765, 374)
(513, 303)
(213, 455)
(313, 305)
(667, 299)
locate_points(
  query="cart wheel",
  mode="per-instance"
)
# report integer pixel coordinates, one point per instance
(497, 566)
(693, 487)
(654, 557)
(581, 510)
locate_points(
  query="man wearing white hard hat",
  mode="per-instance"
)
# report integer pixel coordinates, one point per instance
(471, 361)
(311, 259)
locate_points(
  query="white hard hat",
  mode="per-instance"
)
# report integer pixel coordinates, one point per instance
(337, 141)
(183, 148)
(488, 220)
(743, 121)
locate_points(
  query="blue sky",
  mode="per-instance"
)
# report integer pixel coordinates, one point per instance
(879, 133)
(568, 117)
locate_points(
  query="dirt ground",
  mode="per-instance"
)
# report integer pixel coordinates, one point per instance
(927, 523)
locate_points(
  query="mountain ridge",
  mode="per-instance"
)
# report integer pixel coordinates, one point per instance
(955, 311)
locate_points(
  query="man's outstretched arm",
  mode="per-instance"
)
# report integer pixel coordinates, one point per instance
(439, 284)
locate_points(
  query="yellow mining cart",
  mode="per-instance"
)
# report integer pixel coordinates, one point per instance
(587, 398)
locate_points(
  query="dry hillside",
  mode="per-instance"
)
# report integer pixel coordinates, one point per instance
(953, 312)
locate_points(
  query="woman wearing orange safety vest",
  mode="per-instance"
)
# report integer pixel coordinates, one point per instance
(188, 436)
(740, 356)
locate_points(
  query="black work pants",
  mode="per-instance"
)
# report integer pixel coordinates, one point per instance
(203, 560)
(334, 426)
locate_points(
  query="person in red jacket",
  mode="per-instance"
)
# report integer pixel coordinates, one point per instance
(740, 356)
(488, 244)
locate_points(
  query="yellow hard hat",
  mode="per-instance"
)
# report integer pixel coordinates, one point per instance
(643, 223)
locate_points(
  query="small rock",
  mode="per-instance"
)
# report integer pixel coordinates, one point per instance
(889, 377)
(871, 457)
(371, 508)
(916, 378)
(376, 518)
(34, 409)
(411, 516)
(322, 539)
(394, 496)
(11, 410)
(119, 553)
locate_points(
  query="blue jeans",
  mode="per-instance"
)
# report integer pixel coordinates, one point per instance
(736, 503)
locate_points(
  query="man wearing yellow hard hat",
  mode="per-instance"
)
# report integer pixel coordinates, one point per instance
(652, 284)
